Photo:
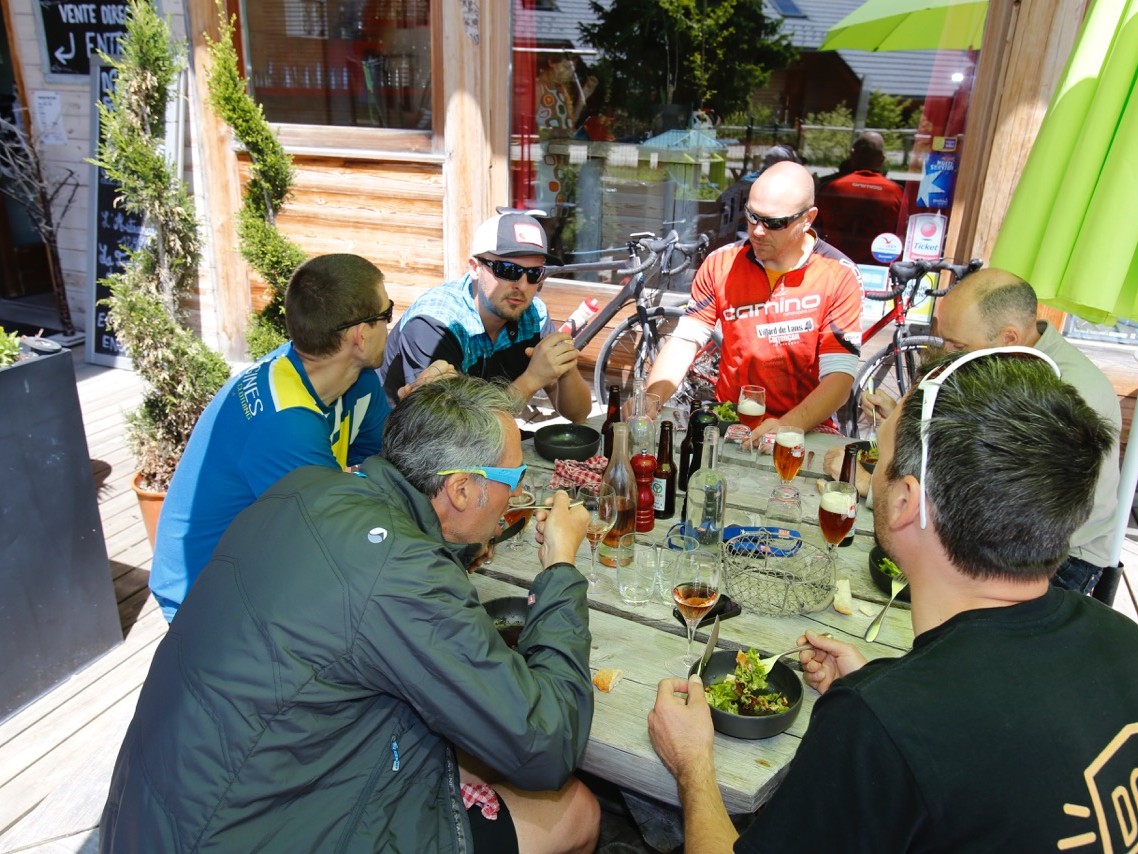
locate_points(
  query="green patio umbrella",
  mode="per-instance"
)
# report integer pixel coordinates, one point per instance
(880, 25)
(1071, 228)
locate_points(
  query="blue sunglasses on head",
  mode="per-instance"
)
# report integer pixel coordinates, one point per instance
(510, 477)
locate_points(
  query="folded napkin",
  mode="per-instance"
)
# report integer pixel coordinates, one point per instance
(574, 473)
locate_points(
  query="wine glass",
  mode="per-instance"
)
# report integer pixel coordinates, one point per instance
(752, 406)
(696, 590)
(837, 512)
(600, 500)
(520, 507)
(789, 451)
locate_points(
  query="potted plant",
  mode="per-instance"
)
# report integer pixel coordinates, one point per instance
(146, 306)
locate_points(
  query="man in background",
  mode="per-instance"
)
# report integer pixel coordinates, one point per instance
(856, 207)
(995, 308)
(491, 323)
(967, 742)
(789, 305)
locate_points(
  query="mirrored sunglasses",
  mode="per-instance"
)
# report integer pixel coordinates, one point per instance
(510, 272)
(771, 223)
(931, 384)
(384, 315)
(510, 477)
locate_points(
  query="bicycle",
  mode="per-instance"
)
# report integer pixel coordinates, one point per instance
(631, 348)
(893, 368)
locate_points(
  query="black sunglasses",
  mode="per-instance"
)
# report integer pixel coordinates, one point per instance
(771, 223)
(510, 272)
(384, 315)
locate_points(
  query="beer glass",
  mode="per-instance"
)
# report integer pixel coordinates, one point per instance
(789, 451)
(837, 512)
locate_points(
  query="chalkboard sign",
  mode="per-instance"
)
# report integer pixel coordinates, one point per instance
(74, 33)
(114, 232)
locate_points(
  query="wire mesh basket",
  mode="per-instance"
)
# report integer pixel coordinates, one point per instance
(778, 574)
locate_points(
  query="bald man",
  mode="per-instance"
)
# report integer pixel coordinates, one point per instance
(994, 308)
(854, 208)
(789, 305)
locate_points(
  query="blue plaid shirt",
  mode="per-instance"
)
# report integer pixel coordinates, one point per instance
(444, 323)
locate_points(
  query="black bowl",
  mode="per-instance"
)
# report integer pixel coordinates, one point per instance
(781, 678)
(566, 441)
(509, 616)
(881, 578)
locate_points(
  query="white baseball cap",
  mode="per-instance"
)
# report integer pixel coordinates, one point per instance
(512, 234)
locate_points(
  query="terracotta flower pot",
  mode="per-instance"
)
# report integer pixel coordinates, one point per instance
(150, 505)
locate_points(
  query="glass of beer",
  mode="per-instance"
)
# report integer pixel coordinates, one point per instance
(837, 512)
(789, 451)
(752, 406)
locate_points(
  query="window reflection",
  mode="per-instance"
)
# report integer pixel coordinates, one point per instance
(354, 63)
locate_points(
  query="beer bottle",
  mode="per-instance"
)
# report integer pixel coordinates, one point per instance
(848, 474)
(686, 448)
(619, 475)
(611, 418)
(664, 478)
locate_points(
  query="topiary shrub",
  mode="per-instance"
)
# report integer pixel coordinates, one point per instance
(181, 373)
(273, 255)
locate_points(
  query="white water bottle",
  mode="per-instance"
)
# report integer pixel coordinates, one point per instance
(580, 316)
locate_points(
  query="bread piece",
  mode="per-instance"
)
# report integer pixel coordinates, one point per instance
(843, 598)
(607, 678)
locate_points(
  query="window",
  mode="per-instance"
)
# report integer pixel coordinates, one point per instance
(347, 63)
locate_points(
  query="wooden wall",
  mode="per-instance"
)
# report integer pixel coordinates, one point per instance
(388, 212)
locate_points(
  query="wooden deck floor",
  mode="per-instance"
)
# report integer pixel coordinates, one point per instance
(56, 754)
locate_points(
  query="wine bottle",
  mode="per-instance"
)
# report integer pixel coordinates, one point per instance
(611, 418)
(686, 448)
(664, 478)
(620, 477)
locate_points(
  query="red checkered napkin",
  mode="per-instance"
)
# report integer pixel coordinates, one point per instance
(484, 796)
(574, 473)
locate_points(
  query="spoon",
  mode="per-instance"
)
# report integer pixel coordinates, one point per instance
(768, 663)
(896, 585)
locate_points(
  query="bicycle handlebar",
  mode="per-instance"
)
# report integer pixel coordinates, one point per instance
(901, 273)
(655, 247)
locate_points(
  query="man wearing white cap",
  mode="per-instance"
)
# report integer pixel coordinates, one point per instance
(491, 324)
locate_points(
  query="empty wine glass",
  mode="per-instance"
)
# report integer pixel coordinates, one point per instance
(697, 577)
(600, 500)
(521, 507)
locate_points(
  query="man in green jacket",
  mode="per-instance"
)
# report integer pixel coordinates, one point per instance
(328, 671)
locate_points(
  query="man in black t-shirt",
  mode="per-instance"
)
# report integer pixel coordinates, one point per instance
(1012, 725)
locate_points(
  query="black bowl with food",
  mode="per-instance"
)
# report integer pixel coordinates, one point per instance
(883, 571)
(509, 616)
(782, 680)
(566, 441)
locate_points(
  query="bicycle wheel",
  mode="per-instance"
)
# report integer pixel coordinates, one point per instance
(627, 352)
(881, 370)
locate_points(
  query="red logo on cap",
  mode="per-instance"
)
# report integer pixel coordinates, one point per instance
(524, 232)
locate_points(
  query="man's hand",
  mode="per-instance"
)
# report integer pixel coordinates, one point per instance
(434, 371)
(879, 402)
(680, 728)
(758, 435)
(827, 660)
(552, 358)
(560, 530)
(832, 465)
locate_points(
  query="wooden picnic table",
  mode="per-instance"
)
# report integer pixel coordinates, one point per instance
(640, 641)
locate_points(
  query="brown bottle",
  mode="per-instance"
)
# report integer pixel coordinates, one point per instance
(686, 448)
(619, 475)
(848, 475)
(611, 418)
(664, 478)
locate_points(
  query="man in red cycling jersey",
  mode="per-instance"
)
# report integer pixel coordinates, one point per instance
(789, 305)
